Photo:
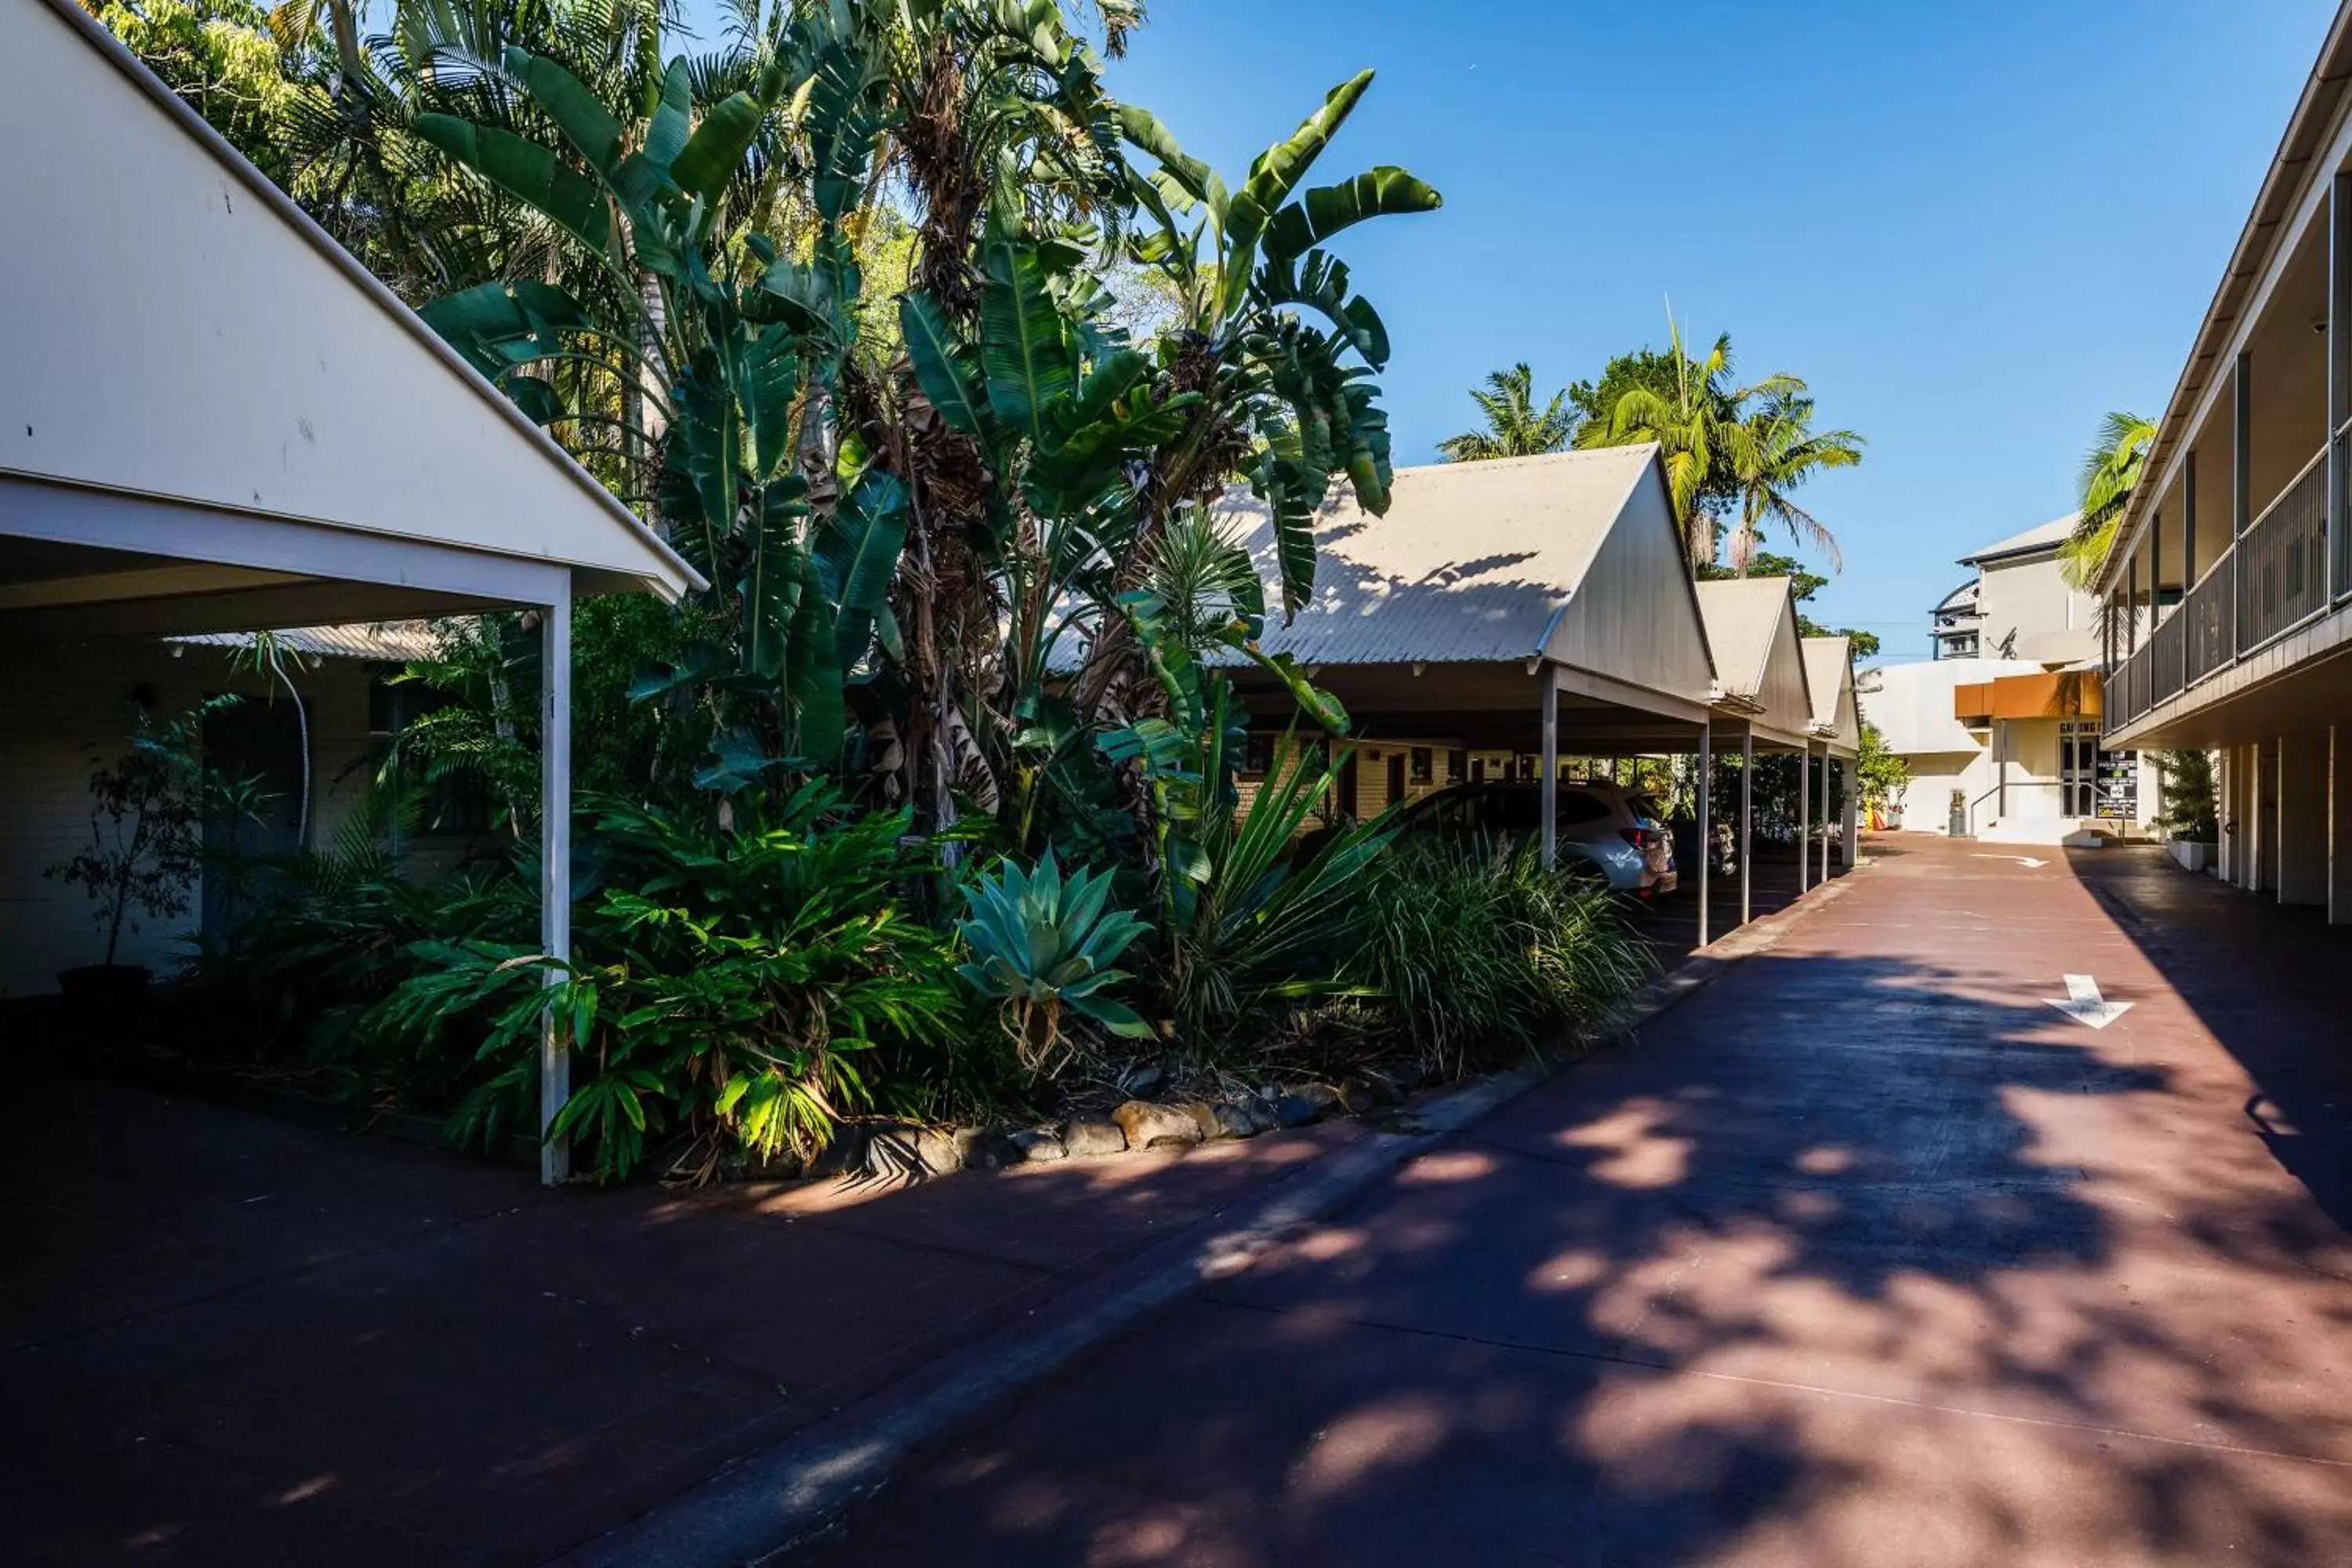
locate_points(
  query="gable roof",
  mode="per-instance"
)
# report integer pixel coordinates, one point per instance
(2048, 536)
(277, 377)
(1829, 675)
(1473, 562)
(1742, 616)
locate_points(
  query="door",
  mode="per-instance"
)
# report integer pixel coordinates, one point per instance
(256, 743)
(1396, 777)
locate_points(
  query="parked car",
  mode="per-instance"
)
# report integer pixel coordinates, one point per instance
(1616, 831)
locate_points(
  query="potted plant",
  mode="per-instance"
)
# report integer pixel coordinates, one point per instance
(146, 846)
(2190, 812)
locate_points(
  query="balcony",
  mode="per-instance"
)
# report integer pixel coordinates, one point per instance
(2271, 581)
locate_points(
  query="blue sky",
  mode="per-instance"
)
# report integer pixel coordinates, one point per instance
(1973, 228)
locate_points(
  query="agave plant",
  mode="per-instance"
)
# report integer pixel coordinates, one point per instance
(1041, 943)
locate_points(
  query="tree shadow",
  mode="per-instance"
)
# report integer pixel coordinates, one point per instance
(1851, 1261)
(2266, 980)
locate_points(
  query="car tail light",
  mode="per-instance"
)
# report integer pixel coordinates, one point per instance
(1640, 838)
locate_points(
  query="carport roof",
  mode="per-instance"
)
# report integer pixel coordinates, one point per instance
(1829, 673)
(1473, 562)
(258, 381)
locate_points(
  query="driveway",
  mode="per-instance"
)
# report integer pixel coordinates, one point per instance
(1866, 1255)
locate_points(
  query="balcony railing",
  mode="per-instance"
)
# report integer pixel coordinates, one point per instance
(2167, 667)
(2283, 559)
(2209, 614)
(2278, 576)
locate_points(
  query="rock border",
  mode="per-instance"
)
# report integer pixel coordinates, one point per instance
(874, 1152)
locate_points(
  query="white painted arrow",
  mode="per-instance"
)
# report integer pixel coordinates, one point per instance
(2028, 861)
(2086, 1005)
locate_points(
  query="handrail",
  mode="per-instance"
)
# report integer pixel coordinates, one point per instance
(2011, 783)
(2301, 474)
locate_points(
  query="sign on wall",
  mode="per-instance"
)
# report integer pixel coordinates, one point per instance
(2119, 786)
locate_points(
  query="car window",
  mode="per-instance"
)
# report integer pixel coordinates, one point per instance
(1641, 806)
(1576, 806)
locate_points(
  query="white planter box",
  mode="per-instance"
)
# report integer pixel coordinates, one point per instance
(2192, 857)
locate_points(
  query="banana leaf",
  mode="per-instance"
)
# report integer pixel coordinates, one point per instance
(525, 171)
(1327, 209)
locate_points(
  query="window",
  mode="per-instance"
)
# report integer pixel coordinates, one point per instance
(1422, 762)
(1457, 766)
(1477, 770)
(1259, 758)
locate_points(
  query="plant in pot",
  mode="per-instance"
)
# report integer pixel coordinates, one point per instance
(2189, 814)
(145, 849)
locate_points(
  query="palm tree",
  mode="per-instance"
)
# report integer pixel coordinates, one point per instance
(1772, 451)
(1690, 421)
(1514, 427)
(2111, 471)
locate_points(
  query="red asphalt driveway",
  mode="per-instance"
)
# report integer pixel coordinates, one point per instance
(1863, 1256)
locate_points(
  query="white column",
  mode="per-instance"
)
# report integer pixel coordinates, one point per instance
(1747, 818)
(1825, 818)
(1804, 814)
(1547, 791)
(1706, 821)
(2339, 829)
(1851, 771)
(2302, 819)
(555, 868)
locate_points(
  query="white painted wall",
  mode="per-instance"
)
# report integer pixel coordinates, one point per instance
(57, 725)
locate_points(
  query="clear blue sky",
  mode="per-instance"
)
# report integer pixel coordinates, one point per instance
(1973, 228)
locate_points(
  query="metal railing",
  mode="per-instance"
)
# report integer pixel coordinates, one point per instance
(2126, 695)
(2209, 613)
(2343, 583)
(2277, 575)
(2281, 563)
(2012, 786)
(2167, 647)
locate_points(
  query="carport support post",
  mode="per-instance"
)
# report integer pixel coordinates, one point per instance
(1747, 818)
(1547, 791)
(1706, 825)
(1825, 819)
(1851, 772)
(1805, 815)
(554, 871)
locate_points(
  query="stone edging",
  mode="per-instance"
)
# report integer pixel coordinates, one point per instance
(769, 1502)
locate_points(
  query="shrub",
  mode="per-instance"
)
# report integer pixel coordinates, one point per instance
(1472, 949)
(1039, 944)
(725, 985)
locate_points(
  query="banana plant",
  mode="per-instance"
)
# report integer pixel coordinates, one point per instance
(800, 569)
(1248, 265)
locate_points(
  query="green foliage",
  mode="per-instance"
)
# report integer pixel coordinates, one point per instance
(1728, 450)
(146, 823)
(1476, 951)
(726, 987)
(1250, 927)
(841, 309)
(1515, 426)
(2189, 809)
(1039, 944)
(2111, 472)
(1884, 775)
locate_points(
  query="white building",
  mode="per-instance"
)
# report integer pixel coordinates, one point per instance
(2001, 726)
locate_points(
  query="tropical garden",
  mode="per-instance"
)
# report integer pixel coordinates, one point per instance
(941, 365)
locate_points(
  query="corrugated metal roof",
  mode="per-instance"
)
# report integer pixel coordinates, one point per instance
(393, 642)
(1828, 662)
(1742, 616)
(2049, 533)
(1473, 562)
